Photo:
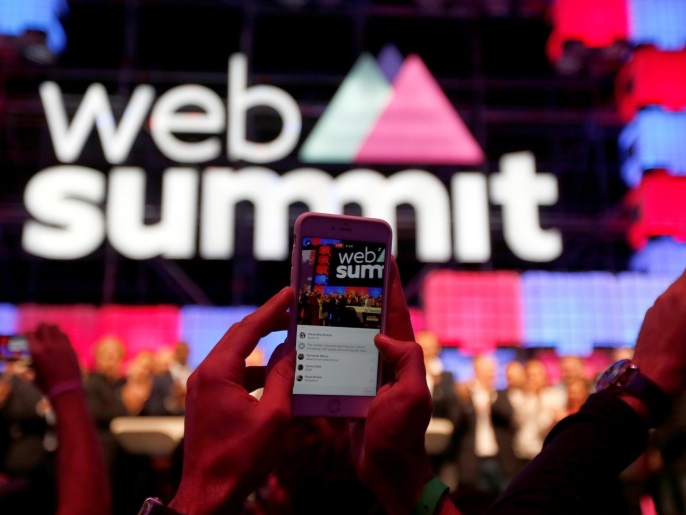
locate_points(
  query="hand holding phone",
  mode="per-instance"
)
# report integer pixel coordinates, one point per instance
(388, 446)
(339, 273)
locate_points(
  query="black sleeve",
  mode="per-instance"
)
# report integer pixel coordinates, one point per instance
(577, 470)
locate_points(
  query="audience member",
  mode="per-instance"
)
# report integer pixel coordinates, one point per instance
(103, 390)
(536, 410)
(82, 487)
(445, 404)
(28, 441)
(179, 367)
(486, 429)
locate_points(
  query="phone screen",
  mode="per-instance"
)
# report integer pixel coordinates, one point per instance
(14, 347)
(340, 297)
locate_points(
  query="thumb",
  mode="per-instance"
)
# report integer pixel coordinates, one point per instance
(406, 358)
(279, 383)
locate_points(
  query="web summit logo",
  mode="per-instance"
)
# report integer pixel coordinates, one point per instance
(382, 113)
(390, 114)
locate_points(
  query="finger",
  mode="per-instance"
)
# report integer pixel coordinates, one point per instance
(276, 399)
(406, 359)
(227, 358)
(398, 323)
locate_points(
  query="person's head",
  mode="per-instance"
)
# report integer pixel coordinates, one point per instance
(622, 353)
(571, 367)
(536, 375)
(430, 344)
(141, 367)
(109, 354)
(181, 353)
(577, 393)
(484, 370)
(515, 374)
(164, 358)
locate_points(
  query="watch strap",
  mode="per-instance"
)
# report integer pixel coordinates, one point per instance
(433, 492)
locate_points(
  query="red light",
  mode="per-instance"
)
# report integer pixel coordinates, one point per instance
(594, 23)
(659, 202)
(476, 311)
(652, 77)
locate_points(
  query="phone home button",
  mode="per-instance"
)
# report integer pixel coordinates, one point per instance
(334, 406)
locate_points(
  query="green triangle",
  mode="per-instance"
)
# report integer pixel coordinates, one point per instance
(351, 115)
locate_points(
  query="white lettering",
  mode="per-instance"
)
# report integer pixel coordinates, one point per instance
(167, 120)
(379, 197)
(174, 235)
(58, 197)
(359, 271)
(242, 98)
(470, 212)
(64, 202)
(94, 110)
(271, 195)
(521, 190)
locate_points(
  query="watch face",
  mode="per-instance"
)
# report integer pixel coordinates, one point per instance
(616, 375)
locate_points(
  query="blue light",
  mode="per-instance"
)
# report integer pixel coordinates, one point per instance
(202, 327)
(661, 257)
(8, 319)
(655, 139)
(658, 22)
(17, 16)
(572, 312)
(637, 292)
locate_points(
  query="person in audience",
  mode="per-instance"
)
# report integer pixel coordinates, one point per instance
(103, 390)
(445, 404)
(136, 392)
(179, 367)
(577, 393)
(485, 460)
(28, 440)
(167, 395)
(515, 376)
(536, 411)
(82, 486)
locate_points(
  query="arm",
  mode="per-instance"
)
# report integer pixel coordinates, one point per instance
(388, 448)
(82, 486)
(581, 459)
(585, 453)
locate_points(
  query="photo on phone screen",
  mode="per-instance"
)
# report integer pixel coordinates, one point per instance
(339, 309)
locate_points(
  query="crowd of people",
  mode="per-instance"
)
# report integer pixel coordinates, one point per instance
(496, 432)
(337, 309)
(532, 447)
(148, 384)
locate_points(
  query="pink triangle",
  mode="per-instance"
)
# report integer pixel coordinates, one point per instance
(419, 125)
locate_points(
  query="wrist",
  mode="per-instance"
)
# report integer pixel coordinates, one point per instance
(400, 491)
(206, 499)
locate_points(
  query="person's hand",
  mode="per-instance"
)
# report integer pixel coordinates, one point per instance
(53, 359)
(661, 346)
(388, 448)
(231, 438)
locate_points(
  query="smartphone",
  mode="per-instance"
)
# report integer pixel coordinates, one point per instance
(339, 273)
(14, 347)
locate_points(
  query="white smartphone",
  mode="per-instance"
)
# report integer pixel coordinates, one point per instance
(339, 273)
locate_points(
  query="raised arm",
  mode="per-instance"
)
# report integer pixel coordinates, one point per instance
(82, 483)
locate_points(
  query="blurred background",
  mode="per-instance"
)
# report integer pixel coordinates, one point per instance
(154, 157)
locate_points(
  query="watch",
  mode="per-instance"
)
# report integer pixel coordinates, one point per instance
(624, 376)
(154, 506)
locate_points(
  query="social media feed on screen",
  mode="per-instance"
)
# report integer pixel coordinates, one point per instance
(339, 313)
